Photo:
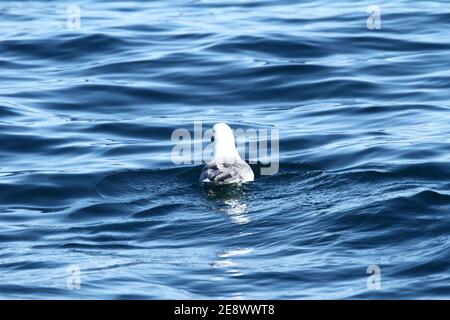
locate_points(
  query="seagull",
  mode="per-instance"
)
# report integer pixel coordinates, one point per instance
(226, 166)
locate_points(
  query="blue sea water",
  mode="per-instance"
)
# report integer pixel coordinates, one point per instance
(86, 177)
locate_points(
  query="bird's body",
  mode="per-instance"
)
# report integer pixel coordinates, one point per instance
(227, 166)
(224, 173)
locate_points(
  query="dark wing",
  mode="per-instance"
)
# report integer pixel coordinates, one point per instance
(214, 173)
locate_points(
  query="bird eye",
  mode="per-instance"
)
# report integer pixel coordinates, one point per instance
(212, 139)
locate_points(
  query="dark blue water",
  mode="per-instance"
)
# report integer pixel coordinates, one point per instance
(86, 177)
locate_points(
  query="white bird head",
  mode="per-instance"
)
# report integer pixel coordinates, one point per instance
(224, 147)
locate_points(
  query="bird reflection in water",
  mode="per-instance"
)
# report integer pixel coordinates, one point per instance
(234, 201)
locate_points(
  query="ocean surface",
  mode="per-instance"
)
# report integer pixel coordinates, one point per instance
(93, 207)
